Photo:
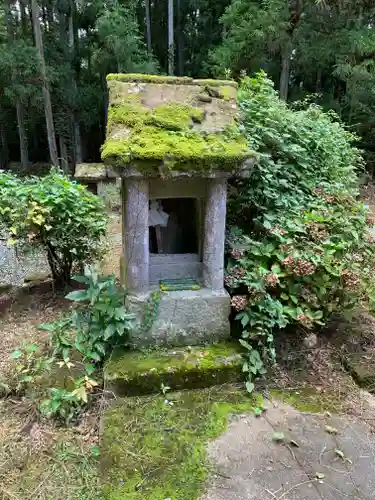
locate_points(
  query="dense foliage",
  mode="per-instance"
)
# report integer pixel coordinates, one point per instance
(320, 47)
(55, 214)
(299, 247)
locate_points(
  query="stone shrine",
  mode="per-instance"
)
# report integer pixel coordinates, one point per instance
(174, 142)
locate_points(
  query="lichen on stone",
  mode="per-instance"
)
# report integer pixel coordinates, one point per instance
(90, 171)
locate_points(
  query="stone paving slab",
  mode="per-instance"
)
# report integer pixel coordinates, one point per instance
(249, 465)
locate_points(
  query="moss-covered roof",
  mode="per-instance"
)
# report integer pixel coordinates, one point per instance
(173, 122)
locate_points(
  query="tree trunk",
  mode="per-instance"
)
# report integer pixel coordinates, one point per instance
(24, 24)
(180, 38)
(64, 154)
(46, 93)
(4, 152)
(77, 141)
(24, 149)
(170, 37)
(19, 105)
(148, 27)
(285, 74)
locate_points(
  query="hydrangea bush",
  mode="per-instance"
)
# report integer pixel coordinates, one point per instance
(299, 248)
(56, 214)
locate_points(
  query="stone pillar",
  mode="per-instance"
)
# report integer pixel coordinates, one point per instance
(214, 234)
(135, 205)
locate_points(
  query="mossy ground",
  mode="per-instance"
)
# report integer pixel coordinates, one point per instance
(132, 372)
(153, 449)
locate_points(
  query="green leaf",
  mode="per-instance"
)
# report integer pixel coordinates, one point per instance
(90, 368)
(16, 354)
(258, 412)
(77, 295)
(109, 331)
(49, 327)
(250, 386)
(278, 437)
(95, 451)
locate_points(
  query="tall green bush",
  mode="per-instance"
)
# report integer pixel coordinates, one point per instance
(54, 213)
(299, 247)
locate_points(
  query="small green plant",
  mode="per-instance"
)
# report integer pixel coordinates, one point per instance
(164, 389)
(66, 405)
(98, 322)
(151, 311)
(30, 365)
(62, 404)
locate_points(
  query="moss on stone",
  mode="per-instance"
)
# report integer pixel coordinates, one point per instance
(169, 116)
(168, 125)
(134, 372)
(227, 93)
(215, 83)
(361, 367)
(138, 77)
(152, 450)
(174, 80)
(200, 151)
(309, 400)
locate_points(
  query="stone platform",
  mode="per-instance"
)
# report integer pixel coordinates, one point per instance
(188, 317)
(130, 373)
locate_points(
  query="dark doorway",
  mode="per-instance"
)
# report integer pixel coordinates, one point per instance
(180, 235)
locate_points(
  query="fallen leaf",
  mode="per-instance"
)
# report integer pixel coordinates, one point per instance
(331, 430)
(278, 437)
(294, 443)
(339, 453)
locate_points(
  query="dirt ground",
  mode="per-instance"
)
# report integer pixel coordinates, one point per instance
(39, 459)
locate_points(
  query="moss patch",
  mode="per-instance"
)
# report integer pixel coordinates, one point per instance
(307, 399)
(129, 373)
(154, 450)
(169, 116)
(173, 126)
(190, 149)
(138, 77)
(179, 80)
(361, 367)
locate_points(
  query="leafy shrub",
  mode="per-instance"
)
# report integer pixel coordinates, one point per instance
(97, 323)
(54, 213)
(85, 336)
(299, 247)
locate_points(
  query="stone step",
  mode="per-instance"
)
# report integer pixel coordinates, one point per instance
(130, 373)
(361, 366)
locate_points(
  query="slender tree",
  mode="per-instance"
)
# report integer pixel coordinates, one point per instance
(170, 37)
(148, 26)
(46, 92)
(20, 109)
